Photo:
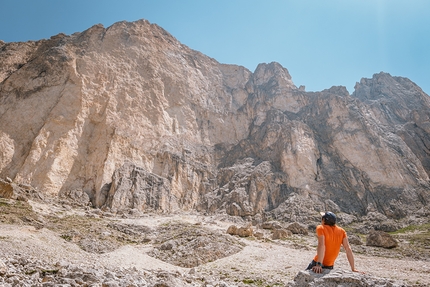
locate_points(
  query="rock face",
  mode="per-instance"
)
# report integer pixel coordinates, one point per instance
(134, 188)
(137, 120)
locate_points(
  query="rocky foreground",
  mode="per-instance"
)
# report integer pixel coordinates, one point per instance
(60, 243)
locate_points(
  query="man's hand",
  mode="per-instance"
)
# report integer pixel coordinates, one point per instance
(355, 270)
(317, 269)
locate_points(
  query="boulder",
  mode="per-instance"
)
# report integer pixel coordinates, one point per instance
(232, 230)
(259, 235)
(271, 225)
(281, 234)
(380, 239)
(244, 231)
(354, 239)
(6, 189)
(19, 192)
(297, 228)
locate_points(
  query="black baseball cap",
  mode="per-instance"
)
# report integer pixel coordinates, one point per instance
(329, 217)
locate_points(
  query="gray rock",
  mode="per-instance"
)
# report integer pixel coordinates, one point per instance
(297, 228)
(281, 233)
(271, 225)
(6, 189)
(244, 231)
(354, 239)
(232, 230)
(380, 239)
(337, 277)
(259, 235)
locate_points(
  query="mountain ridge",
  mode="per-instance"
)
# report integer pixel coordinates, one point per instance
(131, 100)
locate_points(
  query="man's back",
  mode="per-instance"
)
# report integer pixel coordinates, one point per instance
(333, 237)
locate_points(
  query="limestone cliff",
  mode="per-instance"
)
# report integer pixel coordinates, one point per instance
(138, 120)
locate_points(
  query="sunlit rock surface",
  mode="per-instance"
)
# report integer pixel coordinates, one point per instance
(135, 119)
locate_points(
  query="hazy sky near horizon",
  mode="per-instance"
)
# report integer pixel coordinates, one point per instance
(321, 43)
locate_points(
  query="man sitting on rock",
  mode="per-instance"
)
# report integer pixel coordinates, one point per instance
(330, 238)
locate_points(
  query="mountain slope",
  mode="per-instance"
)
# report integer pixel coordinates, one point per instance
(137, 120)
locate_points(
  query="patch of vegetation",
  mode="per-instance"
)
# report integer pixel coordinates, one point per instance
(92, 234)
(66, 237)
(31, 272)
(258, 282)
(414, 241)
(415, 234)
(3, 202)
(424, 228)
(49, 271)
(300, 242)
(17, 212)
(96, 235)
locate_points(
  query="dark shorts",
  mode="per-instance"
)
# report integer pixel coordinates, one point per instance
(314, 263)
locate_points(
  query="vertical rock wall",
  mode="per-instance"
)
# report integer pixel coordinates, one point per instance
(135, 119)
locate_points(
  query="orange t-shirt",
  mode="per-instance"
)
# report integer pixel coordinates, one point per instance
(333, 237)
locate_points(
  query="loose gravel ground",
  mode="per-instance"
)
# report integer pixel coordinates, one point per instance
(55, 245)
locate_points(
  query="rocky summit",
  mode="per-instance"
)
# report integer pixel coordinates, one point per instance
(134, 120)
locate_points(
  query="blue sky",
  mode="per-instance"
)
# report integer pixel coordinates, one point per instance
(322, 43)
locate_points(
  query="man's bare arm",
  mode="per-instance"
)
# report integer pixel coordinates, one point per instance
(349, 254)
(320, 254)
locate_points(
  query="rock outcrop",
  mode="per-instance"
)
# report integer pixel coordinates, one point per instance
(341, 278)
(137, 120)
